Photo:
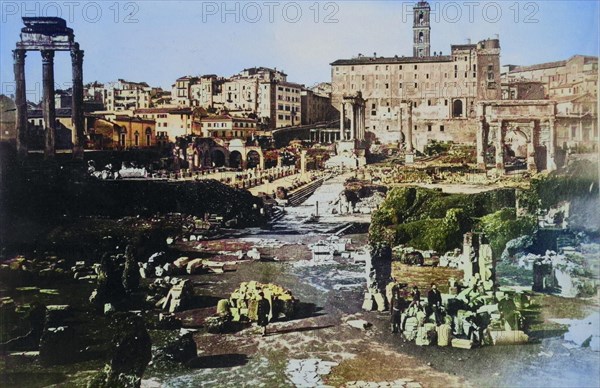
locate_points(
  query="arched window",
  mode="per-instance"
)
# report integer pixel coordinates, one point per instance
(136, 137)
(421, 37)
(122, 139)
(457, 108)
(148, 136)
(421, 18)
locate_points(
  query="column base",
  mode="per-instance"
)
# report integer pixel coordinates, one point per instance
(409, 158)
(77, 152)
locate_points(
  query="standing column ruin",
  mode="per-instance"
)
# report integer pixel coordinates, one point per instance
(342, 121)
(20, 101)
(77, 135)
(352, 122)
(409, 134)
(500, 148)
(48, 35)
(531, 166)
(481, 144)
(551, 147)
(48, 107)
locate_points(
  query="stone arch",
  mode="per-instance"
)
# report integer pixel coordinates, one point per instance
(457, 108)
(235, 159)
(516, 142)
(253, 159)
(217, 158)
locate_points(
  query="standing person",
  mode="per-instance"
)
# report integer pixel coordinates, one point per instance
(434, 301)
(396, 309)
(263, 310)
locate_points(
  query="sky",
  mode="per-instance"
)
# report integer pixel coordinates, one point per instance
(159, 41)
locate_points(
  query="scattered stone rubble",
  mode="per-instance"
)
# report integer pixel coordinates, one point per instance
(170, 294)
(398, 383)
(308, 372)
(243, 303)
(325, 250)
(473, 313)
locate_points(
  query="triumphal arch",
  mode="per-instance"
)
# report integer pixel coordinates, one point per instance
(528, 125)
(48, 35)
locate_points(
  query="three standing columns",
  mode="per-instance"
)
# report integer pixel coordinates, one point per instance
(48, 102)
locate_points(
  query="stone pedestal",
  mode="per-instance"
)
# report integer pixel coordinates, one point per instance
(409, 158)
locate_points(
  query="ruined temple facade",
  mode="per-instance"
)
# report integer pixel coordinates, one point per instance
(432, 96)
(48, 35)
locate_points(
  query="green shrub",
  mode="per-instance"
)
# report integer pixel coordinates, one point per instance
(502, 226)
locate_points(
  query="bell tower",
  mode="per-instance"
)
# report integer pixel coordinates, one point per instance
(421, 30)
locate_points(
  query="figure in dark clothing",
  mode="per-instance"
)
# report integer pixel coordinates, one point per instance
(396, 309)
(263, 310)
(416, 297)
(434, 301)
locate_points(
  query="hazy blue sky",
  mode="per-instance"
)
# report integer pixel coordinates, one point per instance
(158, 41)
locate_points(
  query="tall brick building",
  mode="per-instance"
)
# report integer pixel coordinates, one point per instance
(435, 94)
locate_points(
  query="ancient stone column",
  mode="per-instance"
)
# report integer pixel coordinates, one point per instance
(500, 149)
(361, 122)
(303, 162)
(481, 144)
(48, 107)
(342, 120)
(20, 101)
(551, 146)
(531, 166)
(77, 134)
(352, 122)
(409, 134)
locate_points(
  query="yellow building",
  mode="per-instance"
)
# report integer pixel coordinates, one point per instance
(228, 127)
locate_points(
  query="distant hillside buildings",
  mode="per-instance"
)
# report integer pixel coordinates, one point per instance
(254, 100)
(573, 84)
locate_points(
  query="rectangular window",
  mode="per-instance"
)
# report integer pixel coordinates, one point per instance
(441, 128)
(429, 128)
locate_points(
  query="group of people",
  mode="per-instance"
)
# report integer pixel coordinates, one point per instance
(401, 309)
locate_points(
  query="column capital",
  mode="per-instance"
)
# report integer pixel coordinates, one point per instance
(77, 55)
(19, 55)
(47, 56)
